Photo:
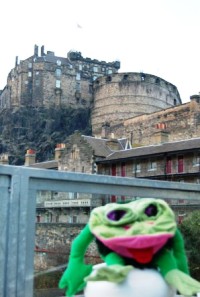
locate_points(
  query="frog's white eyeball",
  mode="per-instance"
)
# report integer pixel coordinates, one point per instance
(145, 283)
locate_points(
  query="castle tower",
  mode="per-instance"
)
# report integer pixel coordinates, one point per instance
(121, 96)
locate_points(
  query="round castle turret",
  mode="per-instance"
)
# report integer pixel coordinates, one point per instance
(121, 96)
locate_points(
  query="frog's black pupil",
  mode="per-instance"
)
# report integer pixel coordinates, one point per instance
(116, 215)
(151, 210)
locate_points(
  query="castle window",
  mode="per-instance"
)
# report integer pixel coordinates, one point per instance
(95, 69)
(37, 82)
(58, 72)
(109, 71)
(94, 77)
(58, 83)
(142, 76)
(78, 86)
(80, 67)
(175, 102)
(90, 89)
(108, 78)
(78, 76)
(29, 65)
(29, 74)
(125, 77)
(37, 73)
(58, 62)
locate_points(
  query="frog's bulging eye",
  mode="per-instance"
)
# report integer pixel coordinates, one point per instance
(116, 215)
(151, 210)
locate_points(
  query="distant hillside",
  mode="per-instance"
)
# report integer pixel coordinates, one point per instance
(40, 129)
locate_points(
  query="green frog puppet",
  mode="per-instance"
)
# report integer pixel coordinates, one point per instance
(138, 234)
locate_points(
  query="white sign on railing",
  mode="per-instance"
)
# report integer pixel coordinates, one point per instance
(68, 203)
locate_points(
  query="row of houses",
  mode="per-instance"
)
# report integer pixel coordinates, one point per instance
(177, 161)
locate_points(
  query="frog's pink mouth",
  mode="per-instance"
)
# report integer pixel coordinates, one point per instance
(143, 256)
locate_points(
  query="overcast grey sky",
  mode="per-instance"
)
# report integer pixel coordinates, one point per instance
(160, 37)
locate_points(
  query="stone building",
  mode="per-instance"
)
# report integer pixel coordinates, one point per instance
(49, 80)
(78, 154)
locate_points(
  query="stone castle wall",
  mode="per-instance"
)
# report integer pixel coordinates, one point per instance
(181, 122)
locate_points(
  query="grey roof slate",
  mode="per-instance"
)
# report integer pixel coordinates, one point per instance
(168, 147)
(101, 145)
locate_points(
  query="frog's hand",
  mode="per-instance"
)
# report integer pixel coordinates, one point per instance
(186, 285)
(113, 273)
(73, 277)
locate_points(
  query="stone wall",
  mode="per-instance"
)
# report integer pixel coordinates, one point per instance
(53, 242)
(181, 122)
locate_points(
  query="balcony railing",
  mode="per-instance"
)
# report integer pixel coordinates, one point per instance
(19, 186)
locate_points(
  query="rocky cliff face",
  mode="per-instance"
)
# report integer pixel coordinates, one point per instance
(39, 129)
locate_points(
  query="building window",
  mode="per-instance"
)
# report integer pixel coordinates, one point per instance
(29, 65)
(78, 76)
(58, 62)
(37, 82)
(74, 219)
(180, 164)
(94, 77)
(109, 71)
(196, 159)
(152, 165)
(90, 89)
(75, 153)
(95, 69)
(58, 83)
(175, 102)
(108, 78)
(136, 167)
(78, 86)
(80, 67)
(142, 77)
(29, 74)
(58, 72)
(169, 165)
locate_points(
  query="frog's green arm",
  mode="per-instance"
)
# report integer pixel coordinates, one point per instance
(179, 252)
(81, 243)
(77, 270)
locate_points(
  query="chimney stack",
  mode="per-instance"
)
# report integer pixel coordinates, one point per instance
(30, 157)
(4, 160)
(16, 61)
(36, 51)
(161, 135)
(42, 51)
(105, 131)
(59, 150)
